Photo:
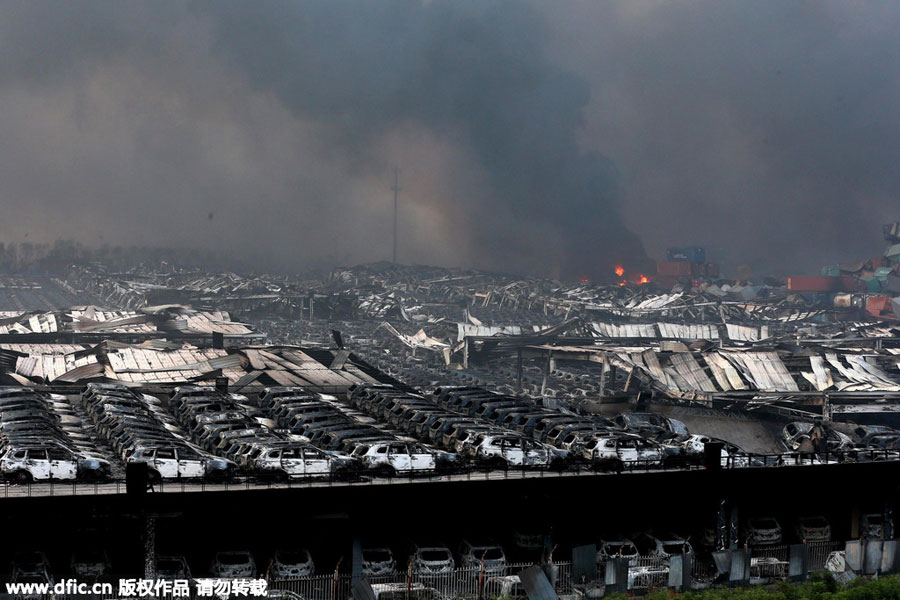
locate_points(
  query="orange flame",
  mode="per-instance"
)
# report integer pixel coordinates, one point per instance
(622, 283)
(643, 279)
(620, 270)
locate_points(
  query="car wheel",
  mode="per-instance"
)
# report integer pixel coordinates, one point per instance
(218, 476)
(498, 464)
(613, 464)
(22, 477)
(153, 476)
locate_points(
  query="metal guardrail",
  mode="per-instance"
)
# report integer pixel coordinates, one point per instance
(781, 552)
(458, 583)
(819, 552)
(756, 461)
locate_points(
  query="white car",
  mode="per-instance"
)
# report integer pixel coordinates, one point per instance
(89, 564)
(295, 460)
(813, 529)
(37, 463)
(795, 434)
(378, 561)
(871, 526)
(622, 450)
(432, 560)
(621, 547)
(395, 456)
(669, 544)
(180, 462)
(287, 564)
(763, 531)
(472, 554)
(233, 564)
(695, 445)
(171, 568)
(509, 449)
(30, 567)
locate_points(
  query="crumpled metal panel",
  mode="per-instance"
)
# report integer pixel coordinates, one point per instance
(616, 574)
(584, 563)
(680, 571)
(798, 568)
(872, 557)
(362, 590)
(357, 559)
(740, 566)
(854, 555)
(722, 560)
(890, 556)
(536, 584)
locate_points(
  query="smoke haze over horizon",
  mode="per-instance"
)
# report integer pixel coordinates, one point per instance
(546, 138)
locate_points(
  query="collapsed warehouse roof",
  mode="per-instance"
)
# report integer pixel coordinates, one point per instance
(148, 321)
(166, 363)
(430, 324)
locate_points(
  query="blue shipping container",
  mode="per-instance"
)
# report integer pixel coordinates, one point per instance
(694, 254)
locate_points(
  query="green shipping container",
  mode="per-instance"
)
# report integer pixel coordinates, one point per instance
(873, 284)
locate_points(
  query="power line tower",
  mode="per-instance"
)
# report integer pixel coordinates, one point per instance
(396, 189)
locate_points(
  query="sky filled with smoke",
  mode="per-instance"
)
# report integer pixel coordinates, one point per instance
(533, 137)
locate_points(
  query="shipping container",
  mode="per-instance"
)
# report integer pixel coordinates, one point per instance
(674, 268)
(875, 305)
(687, 254)
(812, 283)
(873, 284)
(850, 283)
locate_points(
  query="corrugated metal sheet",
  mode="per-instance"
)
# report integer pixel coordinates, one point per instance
(625, 330)
(743, 333)
(464, 330)
(691, 377)
(764, 370)
(860, 375)
(680, 331)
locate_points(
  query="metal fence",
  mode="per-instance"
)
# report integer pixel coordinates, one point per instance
(458, 583)
(780, 552)
(646, 572)
(819, 552)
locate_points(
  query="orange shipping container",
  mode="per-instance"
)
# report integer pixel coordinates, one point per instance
(672, 268)
(816, 283)
(875, 305)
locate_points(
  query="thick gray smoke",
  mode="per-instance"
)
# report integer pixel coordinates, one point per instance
(530, 136)
(767, 131)
(282, 121)
(474, 73)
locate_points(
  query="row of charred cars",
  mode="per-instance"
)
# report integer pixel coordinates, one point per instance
(41, 437)
(290, 432)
